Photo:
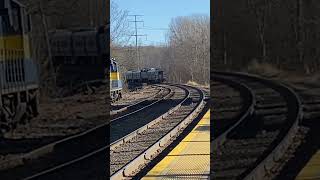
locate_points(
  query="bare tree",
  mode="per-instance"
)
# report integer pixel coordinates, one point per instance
(261, 11)
(185, 56)
(119, 28)
(189, 42)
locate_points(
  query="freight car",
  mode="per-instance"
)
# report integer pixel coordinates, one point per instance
(115, 81)
(79, 55)
(18, 71)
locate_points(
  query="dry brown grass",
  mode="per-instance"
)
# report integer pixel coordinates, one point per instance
(193, 83)
(270, 71)
(263, 69)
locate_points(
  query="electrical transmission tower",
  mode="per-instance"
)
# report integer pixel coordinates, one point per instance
(136, 35)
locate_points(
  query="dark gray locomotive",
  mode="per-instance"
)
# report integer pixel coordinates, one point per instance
(79, 55)
(135, 79)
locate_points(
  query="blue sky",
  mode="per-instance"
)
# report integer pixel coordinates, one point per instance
(157, 15)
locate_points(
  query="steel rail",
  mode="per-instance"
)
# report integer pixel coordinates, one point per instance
(49, 148)
(114, 112)
(134, 133)
(133, 167)
(144, 107)
(277, 148)
(89, 154)
(249, 109)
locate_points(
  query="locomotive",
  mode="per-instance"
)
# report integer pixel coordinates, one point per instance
(19, 80)
(135, 79)
(115, 81)
(79, 55)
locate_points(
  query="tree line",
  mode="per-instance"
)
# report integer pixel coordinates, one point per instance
(184, 57)
(283, 33)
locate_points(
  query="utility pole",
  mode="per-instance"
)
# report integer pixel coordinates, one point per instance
(136, 35)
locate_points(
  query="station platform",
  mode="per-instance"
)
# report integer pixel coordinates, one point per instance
(312, 169)
(190, 159)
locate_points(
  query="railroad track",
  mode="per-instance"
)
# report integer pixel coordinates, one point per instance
(232, 101)
(124, 125)
(132, 153)
(64, 158)
(250, 146)
(307, 139)
(119, 109)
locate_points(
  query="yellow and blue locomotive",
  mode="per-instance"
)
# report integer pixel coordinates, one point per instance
(18, 71)
(115, 81)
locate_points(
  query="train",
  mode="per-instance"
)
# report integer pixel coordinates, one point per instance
(136, 78)
(79, 55)
(19, 77)
(115, 81)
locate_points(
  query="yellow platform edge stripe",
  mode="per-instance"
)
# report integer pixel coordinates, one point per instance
(190, 156)
(312, 169)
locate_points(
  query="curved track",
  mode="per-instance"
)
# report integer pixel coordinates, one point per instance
(252, 145)
(132, 153)
(233, 102)
(122, 126)
(302, 160)
(141, 105)
(120, 109)
(65, 158)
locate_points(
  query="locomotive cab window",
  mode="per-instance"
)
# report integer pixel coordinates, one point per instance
(3, 21)
(113, 67)
(3, 12)
(27, 21)
(10, 20)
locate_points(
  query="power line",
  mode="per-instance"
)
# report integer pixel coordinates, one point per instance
(156, 29)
